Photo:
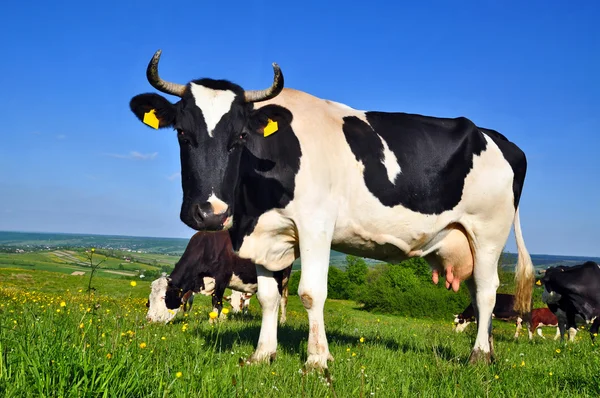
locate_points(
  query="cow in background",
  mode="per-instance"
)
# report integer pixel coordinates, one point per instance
(158, 311)
(503, 310)
(239, 301)
(536, 319)
(572, 292)
(209, 266)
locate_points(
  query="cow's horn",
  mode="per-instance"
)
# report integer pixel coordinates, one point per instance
(271, 92)
(157, 82)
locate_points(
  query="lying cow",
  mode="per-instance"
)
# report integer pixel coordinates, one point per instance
(503, 310)
(209, 266)
(536, 319)
(572, 292)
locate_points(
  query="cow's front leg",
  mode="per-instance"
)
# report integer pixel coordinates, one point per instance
(268, 297)
(315, 245)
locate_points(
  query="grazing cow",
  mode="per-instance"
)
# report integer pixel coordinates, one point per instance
(291, 175)
(209, 266)
(239, 301)
(503, 310)
(536, 319)
(572, 293)
(158, 311)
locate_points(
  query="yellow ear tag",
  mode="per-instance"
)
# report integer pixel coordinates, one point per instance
(150, 119)
(270, 128)
(538, 283)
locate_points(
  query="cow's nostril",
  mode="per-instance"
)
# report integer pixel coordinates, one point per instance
(205, 210)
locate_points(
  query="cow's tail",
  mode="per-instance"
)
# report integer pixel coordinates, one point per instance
(524, 273)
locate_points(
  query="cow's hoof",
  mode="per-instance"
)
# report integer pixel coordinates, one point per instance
(478, 356)
(258, 358)
(318, 362)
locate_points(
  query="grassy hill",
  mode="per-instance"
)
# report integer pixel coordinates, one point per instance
(56, 340)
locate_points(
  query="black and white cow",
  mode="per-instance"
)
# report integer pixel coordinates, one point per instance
(503, 310)
(209, 266)
(572, 294)
(291, 175)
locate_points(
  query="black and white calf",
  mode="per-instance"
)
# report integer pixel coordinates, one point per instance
(291, 175)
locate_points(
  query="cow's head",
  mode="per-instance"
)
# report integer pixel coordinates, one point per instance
(551, 293)
(157, 308)
(460, 323)
(214, 120)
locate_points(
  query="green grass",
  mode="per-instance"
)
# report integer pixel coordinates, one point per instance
(45, 353)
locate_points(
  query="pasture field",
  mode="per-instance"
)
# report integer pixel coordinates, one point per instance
(67, 261)
(57, 341)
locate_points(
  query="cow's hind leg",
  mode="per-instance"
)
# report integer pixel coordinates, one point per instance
(268, 297)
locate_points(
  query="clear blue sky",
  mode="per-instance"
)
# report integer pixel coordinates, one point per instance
(73, 158)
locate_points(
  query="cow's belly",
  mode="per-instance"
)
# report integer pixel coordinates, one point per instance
(236, 283)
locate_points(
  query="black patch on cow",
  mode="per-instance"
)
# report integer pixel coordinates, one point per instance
(515, 157)
(268, 170)
(435, 155)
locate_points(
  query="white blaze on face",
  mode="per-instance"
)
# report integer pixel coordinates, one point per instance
(389, 161)
(158, 311)
(213, 103)
(219, 207)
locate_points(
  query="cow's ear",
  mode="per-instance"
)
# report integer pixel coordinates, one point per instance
(270, 120)
(153, 110)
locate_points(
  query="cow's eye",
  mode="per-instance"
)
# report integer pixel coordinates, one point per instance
(182, 136)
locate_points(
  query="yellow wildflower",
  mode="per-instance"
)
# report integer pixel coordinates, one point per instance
(353, 354)
(93, 249)
(550, 373)
(163, 338)
(362, 340)
(81, 325)
(347, 349)
(225, 311)
(142, 345)
(58, 310)
(522, 363)
(62, 304)
(178, 374)
(133, 283)
(109, 355)
(558, 350)
(212, 314)
(496, 377)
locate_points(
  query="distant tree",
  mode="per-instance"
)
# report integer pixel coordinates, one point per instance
(356, 269)
(93, 267)
(338, 284)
